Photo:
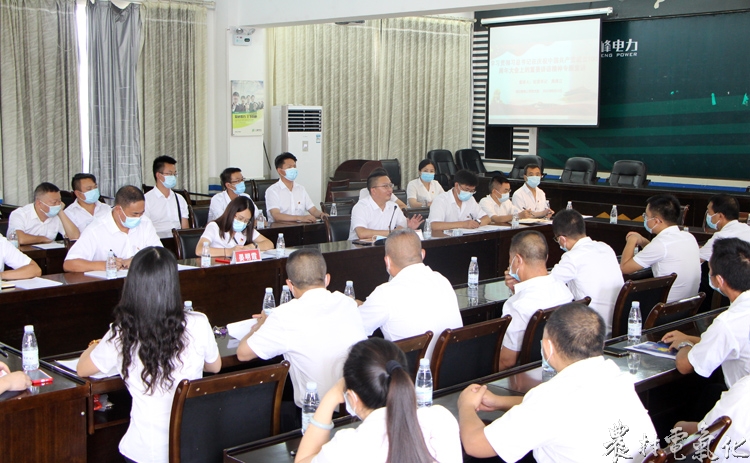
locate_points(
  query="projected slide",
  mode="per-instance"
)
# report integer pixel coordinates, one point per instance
(544, 74)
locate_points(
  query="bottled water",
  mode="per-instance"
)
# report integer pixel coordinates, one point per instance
(29, 349)
(349, 290)
(334, 211)
(473, 273)
(205, 255)
(13, 238)
(110, 266)
(427, 232)
(280, 246)
(423, 384)
(634, 323)
(514, 222)
(309, 404)
(634, 362)
(188, 307)
(260, 221)
(286, 295)
(613, 215)
(636, 250)
(570, 205)
(269, 302)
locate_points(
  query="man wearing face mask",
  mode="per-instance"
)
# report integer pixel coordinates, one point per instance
(165, 208)
(571, 418)
(498, 205)
(722, 215)
(530, 197)
(125, 231)
(400, 311)
(457, 208)
(42, 220)
(533, 289)
(671, 251)
(287, 201)
(233, 183)
(87, 206)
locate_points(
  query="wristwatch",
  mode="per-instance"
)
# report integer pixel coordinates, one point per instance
(684, 344)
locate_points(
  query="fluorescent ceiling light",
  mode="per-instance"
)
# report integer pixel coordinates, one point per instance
(541, 16)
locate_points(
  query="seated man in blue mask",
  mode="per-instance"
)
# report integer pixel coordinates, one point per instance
(530, 197)
(42, 220)
(457, 208)
(165, 208)
(286, 200)
(87, 206)
(233, 183)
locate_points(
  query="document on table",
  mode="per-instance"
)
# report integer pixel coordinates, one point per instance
(53, 245)
(271, 253)
(239, 330)
(482, 229)
(123, 273)
(534, 221)
(657, 349)
(72, 365)
(35, 283)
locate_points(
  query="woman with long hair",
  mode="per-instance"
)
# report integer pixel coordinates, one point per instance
(378, 389)
(153, 344)
(228, 233)
(422, 190)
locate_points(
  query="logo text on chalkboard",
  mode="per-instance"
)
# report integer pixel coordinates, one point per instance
(619, 48)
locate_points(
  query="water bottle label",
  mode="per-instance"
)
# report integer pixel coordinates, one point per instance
(205, 261)
(424, 396)
(30, 359)
(306, 421)
(634, 330)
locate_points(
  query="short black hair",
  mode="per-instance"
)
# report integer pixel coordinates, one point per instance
(425, 162)
(499, 179)
(76, 182)
(306, 268)
(44, 188)
(279, 161)
(465, 177)
(128, 195)
(226, 176)
(530, 245)
(374, 175)
(530, 166)
(731, 260)
(726, 205)
(159, 163)
(576, 331)
(569, 223)
(666, 206)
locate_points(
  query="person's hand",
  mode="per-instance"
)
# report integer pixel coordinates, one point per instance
(549, 213)
(525, 214)
(309, 218)
(4, 367)
(510, 282)
(323, 214)
(472, 397)
(16, 381)
(414, 221)
(636, 238)
(489, 402)
(674, 338)
(247, 246)
(120, 263)
(470, 224)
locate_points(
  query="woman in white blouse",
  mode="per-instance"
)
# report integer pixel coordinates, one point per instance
(421, 191)
(377, 388)
(228, 233)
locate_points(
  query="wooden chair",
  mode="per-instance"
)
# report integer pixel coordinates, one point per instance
(335, 185)
(225, 410)
(185, 242)
(532, 337)
(337, 228)
(664, 313)
(691, 447)
(649, 292)
(415, 348)
(468, 353)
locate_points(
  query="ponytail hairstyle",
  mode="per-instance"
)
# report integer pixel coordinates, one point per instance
(377, 371)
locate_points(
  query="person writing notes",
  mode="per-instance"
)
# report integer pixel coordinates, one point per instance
(530, 197)
(498, 205)
(229, 232)
(42, 220)
(457, 208)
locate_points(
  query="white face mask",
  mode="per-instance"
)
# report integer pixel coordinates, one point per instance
(349, 407)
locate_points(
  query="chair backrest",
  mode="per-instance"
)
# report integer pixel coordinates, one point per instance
(415, 348)
(470, 159)
(520, 163)
(200, 213)
(694, 446)
(6, 209)
(4, 227)
(67, 197)
(345, 195)
(342, 207)
(146, 188)
(393, 167)
(628, 173)
(443, 160)
(579, 170)
(532, 337)
(337, 228)
(648, 292)
(412, 211)
(349, 169)
(336, 185)
(401, 194)
(664, 313)
(186, 240)
(259, 188)
(468, 353)
(225, 410)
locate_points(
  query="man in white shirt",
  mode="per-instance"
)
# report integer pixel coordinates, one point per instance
(378, 215)
(364, 193)
(165, 208)
(498, 205)
(725, 343)
(457, 207)
(23, 267)
(533, 290)
(416, 300)
(313, 331)
(589, 412)
(233, 183)
(287, 201)
(125, 231)
(42, 220)
(87, 206)
(530, 197)
(589, 268)
(723, 216)
(671, 251)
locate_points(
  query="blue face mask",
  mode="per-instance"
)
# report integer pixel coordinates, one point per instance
(170, 181)
(709, 223)
(238, 225)
(645, 225)
(464, 195)
(510, 270)
(291, 174)
(714, 287)
(533, 182)
(130, 222)
(91, 196)
(427, 177)
(53, 210)
(239, 188)
(504, 197)
(545, 363)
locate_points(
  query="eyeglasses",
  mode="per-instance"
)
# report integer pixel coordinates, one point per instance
(467, 191)
(235, 182)
(389, 186)
(647, 218)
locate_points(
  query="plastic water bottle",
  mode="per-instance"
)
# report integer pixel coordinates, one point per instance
(334, 211)
(634, 323)
(269, 302)
(349, 290)
(569, 206)
(473, 273)
(427, 232)
(613, 215)
(260, 221)
(110, 266)
(423, 384)
(286, 295)
(205, 255)
(13, 238)
(188, 307)
(636, 250)
(309, 404)
(514, 221)
(29, 349)
(280, 246)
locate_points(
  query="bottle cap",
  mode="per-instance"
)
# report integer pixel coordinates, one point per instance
(28, 329)
(473, 259)
(312, 386)
(349, 283)
(285, 288)
(188, 303)
(636, 304)
(424, 362)
(281, 235)
(269, 290)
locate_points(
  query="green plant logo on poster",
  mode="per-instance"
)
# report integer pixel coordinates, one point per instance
(247, 107)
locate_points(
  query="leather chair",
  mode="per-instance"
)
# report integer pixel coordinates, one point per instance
(146, 188)
(628, 174)
(445, 167)
(342, 207)
(532, 337)
(664, 313)
(648, 292)
(225, 410)
(259, 188)
(470, 160)
(337, 228)
(694, 446)
(393, 167)
(67, 197)
(335, 185)
(401, 194)
(579, 170)
(520, 163)
(415, 348)
(186, 240)
(200, 214)
(345, 195)
(6, 210)
(412, 211)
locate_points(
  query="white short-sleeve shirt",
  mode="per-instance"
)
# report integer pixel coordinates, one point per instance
(147, 437)
(226, 240)
(734, 403)
(81, 217)
(523, 198)
(103, 235)
(26, 219)
(570, 418)
(491, 208)
(10, 255)
(314, 333)
(531, 295)
(416, 190)
(733, 229)
(674, 251)
(366, 213)
(219, 203)
(368, 442)
(162, 210)
(400, 309)
(445, 209)
(364, 193)
(725, 343)
(591, 269)
(294, 202)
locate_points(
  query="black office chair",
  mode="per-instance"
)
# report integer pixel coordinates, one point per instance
(470, 160)
(445, 168)
(579, 170)
(342, 207)
(532, 337)
(628, 174)
(259, 189)
(200, 213)
(67, 197)
(401, 194)
(337, 228)
(6, 210)
(393, 167)
(185, 241)
(520, 163)
(664, 313)
(412, 211)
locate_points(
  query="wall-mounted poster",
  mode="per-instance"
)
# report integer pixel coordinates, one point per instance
(247, 107)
